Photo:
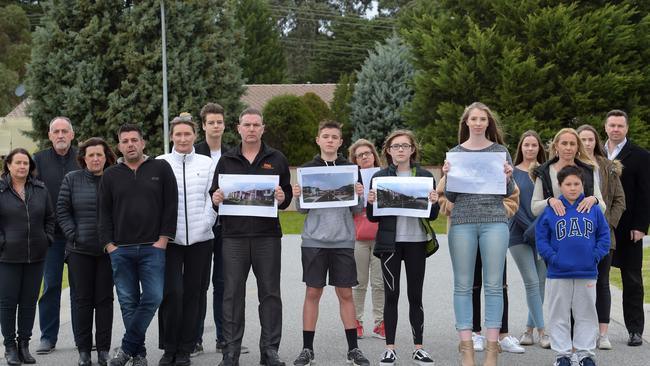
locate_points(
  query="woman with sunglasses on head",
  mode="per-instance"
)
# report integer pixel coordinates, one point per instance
(478, 221)
(609, 172)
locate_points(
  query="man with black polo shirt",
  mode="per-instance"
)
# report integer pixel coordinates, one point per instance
(138, 210)
(52, 165)
(255, 242)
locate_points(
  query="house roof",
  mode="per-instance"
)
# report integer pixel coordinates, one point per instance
(257, 95)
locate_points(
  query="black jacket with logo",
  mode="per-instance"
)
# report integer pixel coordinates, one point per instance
(26, 227)
(137, 206)
(268, 161)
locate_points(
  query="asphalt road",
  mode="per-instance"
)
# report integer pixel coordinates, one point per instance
(439, 335)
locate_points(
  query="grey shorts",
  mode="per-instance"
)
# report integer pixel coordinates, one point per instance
(339, 262)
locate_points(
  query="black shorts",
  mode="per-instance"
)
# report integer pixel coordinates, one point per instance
(339, 262)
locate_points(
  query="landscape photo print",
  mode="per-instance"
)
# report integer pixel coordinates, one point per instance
(248, 195)
(402, 196)
(328, 186)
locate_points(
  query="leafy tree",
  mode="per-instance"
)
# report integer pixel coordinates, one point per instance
(15, 42)
(540, 65)
(340, 106)
(317, 106)
(264, 61)
(290, 128)
(382, 91)
(100, 64)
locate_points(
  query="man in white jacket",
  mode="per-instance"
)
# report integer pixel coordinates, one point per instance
(188, 256)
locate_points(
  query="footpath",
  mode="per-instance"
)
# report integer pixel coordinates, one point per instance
(440, 338)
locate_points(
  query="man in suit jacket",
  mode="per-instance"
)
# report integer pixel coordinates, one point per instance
(634, 222)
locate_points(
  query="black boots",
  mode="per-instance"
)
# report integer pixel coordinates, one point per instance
(11, 354)
(23, 352)
(84, 359)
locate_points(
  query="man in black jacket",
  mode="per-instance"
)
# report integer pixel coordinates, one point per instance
(634, 222)
(138, 208)
(52, 165)
(252, 242)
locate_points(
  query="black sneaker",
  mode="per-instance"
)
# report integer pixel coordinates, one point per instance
(120, 358)
(45, 347)
(356, 357)
(587, 361)
(198, 349)
(562, 361)
(422, 357)
(270, 357)
(306, 357)
(633, 341)
(167, 359)
(183, 359)
(388, 358)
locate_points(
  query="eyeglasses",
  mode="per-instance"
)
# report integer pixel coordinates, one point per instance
(397, 147)
(363, 155)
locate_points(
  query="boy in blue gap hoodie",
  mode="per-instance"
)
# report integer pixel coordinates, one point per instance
(328, 239)
(572, 244)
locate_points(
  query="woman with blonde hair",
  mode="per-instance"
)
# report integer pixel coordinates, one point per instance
(363, 153)
(609, 172)
(479, 221)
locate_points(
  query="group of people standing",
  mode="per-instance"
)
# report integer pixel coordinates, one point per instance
(150, 228)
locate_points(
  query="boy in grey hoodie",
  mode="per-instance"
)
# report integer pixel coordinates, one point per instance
(328, 247)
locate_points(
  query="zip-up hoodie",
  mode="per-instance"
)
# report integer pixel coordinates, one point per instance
(137, 206)
(196, 217)
(573, 244)
(331, 227)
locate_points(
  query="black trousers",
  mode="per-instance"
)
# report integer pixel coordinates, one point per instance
(178, 319)
(19, 287)
(476, 296)
(217, 288)
(603, 293)
(264, 256)
(628, 257)
(91, 282)
(414, 257)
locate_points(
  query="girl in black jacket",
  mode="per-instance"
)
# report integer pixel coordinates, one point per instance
(401, 238)
(26, 229)
(89, 268)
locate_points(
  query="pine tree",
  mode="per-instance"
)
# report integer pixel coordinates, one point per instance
(100, 64)
(540, 66)
(382, 91)
(264, 61)
(15, 42)
(340, 106)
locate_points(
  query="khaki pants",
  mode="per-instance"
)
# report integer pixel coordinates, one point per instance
(368, 270)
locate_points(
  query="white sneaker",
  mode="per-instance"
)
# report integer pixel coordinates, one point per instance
(511, 344)
(388, 358)
(526, 339)
(479, 342)
(603, 342)
(545, 341)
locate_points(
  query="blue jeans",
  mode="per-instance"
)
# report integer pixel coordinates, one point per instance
(135, 266)
(533, 272)
(464, 241)
(49, 305)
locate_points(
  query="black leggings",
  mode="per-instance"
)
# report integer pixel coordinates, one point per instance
(603, 294)
(476, 296)
(414, 257)
(91, 281)
(19, 287)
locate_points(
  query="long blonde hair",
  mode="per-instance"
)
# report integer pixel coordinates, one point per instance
(580, 155)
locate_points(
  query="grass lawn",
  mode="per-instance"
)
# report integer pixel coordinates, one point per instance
(292, 222)
(615, 276)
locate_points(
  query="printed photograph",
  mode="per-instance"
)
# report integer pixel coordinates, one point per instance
(401, 195)
(254, 194)
(328, 187)
(248, 195)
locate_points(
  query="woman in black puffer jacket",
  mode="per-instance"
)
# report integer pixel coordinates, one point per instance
(26, 229)
(89, 267)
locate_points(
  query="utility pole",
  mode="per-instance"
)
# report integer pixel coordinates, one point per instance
(164, 77)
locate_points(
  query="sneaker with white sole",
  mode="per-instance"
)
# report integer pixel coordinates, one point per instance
(511, 344)
(479, 342)
(356, 358)
(545, 341)
(422, 357)
(526, 339)
(305, 358)
(388, 358)
(603, 342)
